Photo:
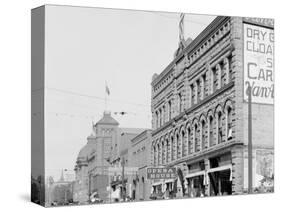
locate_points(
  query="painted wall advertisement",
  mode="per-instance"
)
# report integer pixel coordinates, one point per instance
(264, 168)
(259, 63)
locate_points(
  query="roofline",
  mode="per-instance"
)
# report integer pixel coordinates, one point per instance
(141, 134)
(202, 36)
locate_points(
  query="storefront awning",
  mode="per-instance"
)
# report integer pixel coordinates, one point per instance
(195, 174)
(169, 181)
(220, 168)
(157, 183)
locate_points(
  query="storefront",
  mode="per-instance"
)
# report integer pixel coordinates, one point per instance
(220, 181)
(157, 190)
(196, 184)
(220, 175)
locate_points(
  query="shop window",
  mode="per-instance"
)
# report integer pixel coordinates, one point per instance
(214, 162)
(196, 187)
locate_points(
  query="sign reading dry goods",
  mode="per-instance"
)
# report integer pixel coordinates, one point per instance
(259, 63)
(161, 173)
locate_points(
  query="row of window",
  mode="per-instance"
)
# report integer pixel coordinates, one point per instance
(195, 137)
(203, 86)
(204, 47)
(208, 83)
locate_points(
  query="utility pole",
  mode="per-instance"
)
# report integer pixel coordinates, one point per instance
(250, 147)
(123, 179)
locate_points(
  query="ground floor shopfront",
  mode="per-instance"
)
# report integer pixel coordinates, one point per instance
(212, 174)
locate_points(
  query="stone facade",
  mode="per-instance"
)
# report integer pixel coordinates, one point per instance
(199, 116)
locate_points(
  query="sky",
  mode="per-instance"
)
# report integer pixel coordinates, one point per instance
(87, 48)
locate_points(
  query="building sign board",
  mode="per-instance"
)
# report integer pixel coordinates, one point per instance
(259, 63)
(161, 173)
(264, 175)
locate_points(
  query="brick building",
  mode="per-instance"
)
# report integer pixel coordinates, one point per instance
(139, 157)
(121, 159)
(200, 115)
(105, 147)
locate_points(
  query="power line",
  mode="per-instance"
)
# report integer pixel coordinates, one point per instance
(95, 97)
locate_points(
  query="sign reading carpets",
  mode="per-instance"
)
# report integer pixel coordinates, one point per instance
(161, 173)
(259, 63)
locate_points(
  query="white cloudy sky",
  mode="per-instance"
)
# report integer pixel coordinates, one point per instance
(86, 47)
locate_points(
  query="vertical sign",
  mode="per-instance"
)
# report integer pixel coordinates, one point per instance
(259, 63)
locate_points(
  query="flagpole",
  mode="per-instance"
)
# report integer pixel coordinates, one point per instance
(105, 97)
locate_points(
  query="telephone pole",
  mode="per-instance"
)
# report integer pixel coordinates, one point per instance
(250, 147)
(123, 179)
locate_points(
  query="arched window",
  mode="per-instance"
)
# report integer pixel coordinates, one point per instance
(189, 143)
(159, 154)
(229, 123)
(219, 128)
(198, 91)
(203, 142)
(183, 144)
(154, 155)
(195, 138)
(164, 114)
(192, 95)
(167, 150)
(163, 152)
(160, 117)
(172, 148)
(179, 97)
(170, 110)
(227, 69)
(156, 119)
(178, 146)
(211, 131)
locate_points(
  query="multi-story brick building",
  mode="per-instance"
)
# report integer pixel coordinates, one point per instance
(104, 149)
(200, 113)
(139, 158)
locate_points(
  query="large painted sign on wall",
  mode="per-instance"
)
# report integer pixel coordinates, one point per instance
(259, 63)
